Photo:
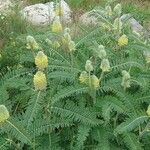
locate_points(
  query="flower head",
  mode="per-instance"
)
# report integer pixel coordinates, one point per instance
(125, 79)
(123, 40)
(48, 41)
(67, 37)
(31, 43)
(108, 10)
(71, 46)
(56, 44)
(118, 9)
(88, 66)
(94, 82)
(83, 78)
(59, 11)
(4, 114)
(39, 80)
(67, 30)
(101, 52)
(41, 60)
(117, 25)
(56, 26)
(105, 65)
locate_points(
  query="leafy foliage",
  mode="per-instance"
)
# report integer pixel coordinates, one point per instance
(76, 111)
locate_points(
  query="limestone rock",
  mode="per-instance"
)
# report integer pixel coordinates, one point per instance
(38, 14)
(43, 14)
(88, 19)
(5, 5)
(135, 25)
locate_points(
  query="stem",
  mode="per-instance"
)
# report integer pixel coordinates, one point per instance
(115, 120)
(33, 53)
(130, 69)
(89, 80)
(101, 76)
(49, 135)
(34, 140)
(71, 56)
(50, 130)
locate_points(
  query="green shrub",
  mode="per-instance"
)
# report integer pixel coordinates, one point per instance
(93, 94)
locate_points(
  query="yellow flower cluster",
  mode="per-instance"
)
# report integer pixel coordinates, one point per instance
(59, 10)
(125, 79)
(117, 25)
(40, 82)
(94, 82)
(31, 43)
(4, 114)
(118, 9)
(41, 60)
(88, 66)
(55, 44)
(101, 53)
(108, 10)
(91, 80)
(123, 40)
(67, 41)
(71, 46)
(56, 26)
(105, 65)
(84, 79)
(39, 79)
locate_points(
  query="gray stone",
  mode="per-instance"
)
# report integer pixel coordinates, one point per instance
(5, 5)
(38, 14)
(43, 14)
(135, 25)
(88, 19)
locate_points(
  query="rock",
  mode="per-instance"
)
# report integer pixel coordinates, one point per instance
(135, 25)
(43, 14)
(38, 14)
(5, 5)
(88, 19)
(67, 11)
